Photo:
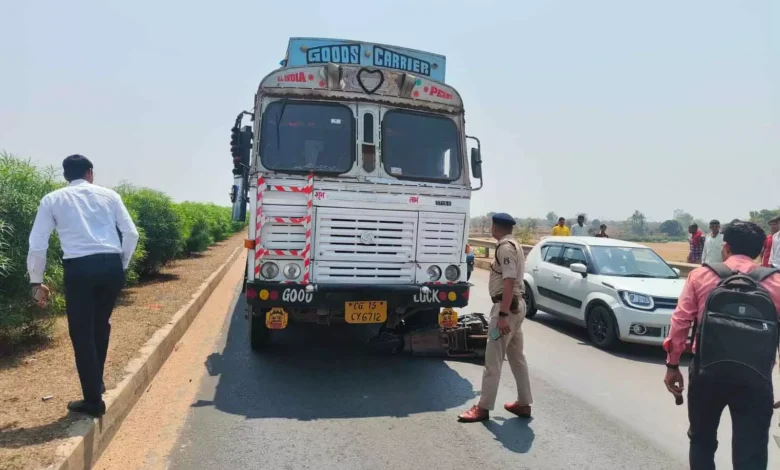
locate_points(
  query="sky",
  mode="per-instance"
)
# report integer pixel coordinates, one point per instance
(603, 107)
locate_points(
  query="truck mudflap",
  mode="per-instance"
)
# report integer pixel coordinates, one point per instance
(466, 340)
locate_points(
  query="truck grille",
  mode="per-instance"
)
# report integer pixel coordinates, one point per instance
(441, 237)
(356, 235)
(363, 273)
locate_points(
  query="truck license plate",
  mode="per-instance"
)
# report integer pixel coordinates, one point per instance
(365, 312)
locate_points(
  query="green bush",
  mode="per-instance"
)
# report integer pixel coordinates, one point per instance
(157, 217)
(195, 227)
(22, 185)
(166, 230)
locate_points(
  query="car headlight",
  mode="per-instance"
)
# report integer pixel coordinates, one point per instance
(638, 301)
(292, 271)
(434, 273)
(269, 270)
(452, 273)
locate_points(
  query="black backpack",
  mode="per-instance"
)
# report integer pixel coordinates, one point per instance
(738, 336)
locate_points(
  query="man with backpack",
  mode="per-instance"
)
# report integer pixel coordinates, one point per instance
(734, 307)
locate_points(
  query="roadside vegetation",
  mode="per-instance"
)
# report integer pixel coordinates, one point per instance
(168, 231)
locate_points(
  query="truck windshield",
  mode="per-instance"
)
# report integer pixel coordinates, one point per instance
(420, 146)
(307, 137)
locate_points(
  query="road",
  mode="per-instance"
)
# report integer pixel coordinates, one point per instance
(319, 400)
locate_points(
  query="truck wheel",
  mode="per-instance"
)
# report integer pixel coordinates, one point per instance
(259, 334)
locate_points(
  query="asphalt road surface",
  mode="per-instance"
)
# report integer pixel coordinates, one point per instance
(321, 400)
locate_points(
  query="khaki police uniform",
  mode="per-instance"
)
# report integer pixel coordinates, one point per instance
(509, 263)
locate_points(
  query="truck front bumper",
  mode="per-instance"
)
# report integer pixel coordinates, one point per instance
(264, 295)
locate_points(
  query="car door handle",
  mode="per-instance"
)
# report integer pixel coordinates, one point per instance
(535, 270)
(557, 277)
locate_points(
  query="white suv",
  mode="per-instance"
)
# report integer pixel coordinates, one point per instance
(618, 290)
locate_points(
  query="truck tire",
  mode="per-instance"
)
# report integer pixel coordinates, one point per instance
(259, 334)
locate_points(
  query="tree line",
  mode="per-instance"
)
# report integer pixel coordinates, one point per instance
(637, 227)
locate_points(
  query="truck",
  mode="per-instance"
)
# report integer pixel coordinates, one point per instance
(355, 175)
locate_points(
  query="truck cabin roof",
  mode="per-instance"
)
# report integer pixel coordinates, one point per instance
(350, 70)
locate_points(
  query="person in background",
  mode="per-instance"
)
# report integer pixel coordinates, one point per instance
(505, 287)
(561, 230)
(579, 229)
(602, 233)
(713, 244)
(696, 244)
(751, 407)
(86, 218)
(774, 227)
(774, 248)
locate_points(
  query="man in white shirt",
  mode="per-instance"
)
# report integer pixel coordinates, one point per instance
(713, 244)
(774, 258)
(579, 229)
(86, 218)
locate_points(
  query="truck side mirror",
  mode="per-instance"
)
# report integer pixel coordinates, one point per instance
(476, 163)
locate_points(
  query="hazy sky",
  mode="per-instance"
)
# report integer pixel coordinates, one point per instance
(597, 106)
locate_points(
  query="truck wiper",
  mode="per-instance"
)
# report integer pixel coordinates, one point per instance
(278, 121)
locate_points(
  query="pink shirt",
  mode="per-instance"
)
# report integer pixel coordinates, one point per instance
(701, 281)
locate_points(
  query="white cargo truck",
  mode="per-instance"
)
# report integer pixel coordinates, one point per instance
(355, 174)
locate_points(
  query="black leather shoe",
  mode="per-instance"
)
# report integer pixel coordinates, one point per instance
(93, 409)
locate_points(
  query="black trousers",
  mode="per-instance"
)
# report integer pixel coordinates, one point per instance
(92, 285)
(751, 415)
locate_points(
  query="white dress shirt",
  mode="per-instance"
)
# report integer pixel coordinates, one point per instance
(712, 247)
(774, 257)
(577, 231)
(86, 218)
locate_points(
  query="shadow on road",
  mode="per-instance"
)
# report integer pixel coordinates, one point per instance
(319, 372)
(515, 434)
(630, 351)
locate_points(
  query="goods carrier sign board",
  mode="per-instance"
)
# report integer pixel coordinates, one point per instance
(312, 51)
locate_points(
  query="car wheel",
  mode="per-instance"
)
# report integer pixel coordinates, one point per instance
(530, 304)
(259, 334)
(601, 327)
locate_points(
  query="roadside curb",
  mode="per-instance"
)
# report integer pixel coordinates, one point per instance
(90, 437)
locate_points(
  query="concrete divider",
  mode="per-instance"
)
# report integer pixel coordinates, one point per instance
(482, 263)
(90, 437)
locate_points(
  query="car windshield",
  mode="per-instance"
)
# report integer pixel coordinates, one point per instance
(307, 137)
(630, 262)
(420, 146)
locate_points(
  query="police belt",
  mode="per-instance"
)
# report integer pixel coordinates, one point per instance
(514, 307)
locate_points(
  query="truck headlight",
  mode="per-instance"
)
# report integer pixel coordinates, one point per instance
(434, 273)
(292, 271)
(452, 273)
(637, 301)
(269, 270)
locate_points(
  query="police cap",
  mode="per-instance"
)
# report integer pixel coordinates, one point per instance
(504, 219)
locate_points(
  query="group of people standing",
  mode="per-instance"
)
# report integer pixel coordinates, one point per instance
(707, 249)
(577, 230)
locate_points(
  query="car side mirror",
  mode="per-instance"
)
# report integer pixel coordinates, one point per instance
(579, 268)
(677, 271)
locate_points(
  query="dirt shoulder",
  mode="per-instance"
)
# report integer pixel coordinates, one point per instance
(31, 428)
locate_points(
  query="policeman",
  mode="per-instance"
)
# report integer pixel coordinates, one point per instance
(506, 319)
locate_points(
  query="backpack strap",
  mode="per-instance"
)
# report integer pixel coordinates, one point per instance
(759, 274)
(723, 271)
